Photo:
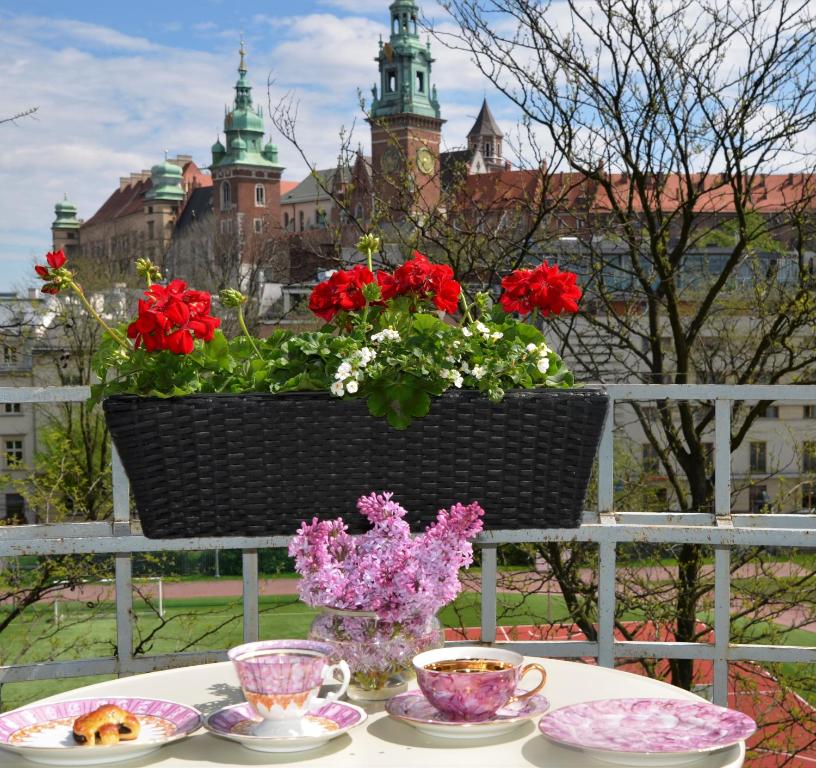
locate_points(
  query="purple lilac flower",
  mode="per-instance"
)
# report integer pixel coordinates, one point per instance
(385, 570)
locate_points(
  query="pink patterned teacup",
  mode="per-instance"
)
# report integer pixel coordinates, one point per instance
(281, 678)
(471, 683)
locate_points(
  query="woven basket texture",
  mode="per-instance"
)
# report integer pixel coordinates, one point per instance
(258, 465)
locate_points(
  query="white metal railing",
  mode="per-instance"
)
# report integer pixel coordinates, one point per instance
(605, 527)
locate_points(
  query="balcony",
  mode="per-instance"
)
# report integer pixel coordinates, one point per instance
(605, 528)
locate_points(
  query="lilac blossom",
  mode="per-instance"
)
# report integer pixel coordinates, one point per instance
(385, 570)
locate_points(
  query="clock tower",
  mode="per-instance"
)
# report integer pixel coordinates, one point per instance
(405, 120)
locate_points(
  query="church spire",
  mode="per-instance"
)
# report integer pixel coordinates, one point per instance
(243, 90)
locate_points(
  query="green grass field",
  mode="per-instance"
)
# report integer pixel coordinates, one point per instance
(215, 623)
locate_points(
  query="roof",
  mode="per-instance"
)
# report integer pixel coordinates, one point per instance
(287, 186)
(485, 124)
(199, 206)
(124, 201)
(310, 191)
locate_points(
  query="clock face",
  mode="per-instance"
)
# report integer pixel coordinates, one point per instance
(390, 160)
(425, 161)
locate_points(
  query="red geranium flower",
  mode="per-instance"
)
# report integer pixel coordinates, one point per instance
(419, 277)
(545, 288)
(55, 259)
(342, 292)
(170, 317)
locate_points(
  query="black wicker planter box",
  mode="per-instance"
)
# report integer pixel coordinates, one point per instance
(257, 465)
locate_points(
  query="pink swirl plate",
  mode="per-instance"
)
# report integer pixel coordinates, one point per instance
(43, 733)
(413, 708)
(325, 720)
(646, 731)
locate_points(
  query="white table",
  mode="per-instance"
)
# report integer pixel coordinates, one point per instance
(381, 742)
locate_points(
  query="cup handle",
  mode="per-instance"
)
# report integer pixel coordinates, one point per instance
(524, 670)
(329, 677)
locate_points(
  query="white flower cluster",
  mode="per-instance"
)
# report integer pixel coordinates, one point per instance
(453, 375)
(387, 334)
(484, 330)
(350, 372)
(542, 351)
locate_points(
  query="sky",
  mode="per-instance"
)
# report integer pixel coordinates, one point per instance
(118, 83)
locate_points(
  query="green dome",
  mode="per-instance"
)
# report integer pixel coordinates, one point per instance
(166, 179)
(244, 120)
(218, 148)
(166, 169)
(270, 152)
(66, 212)
(238, 144)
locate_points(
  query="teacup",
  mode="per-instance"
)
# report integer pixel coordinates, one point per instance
(281, 678)
(472, 683)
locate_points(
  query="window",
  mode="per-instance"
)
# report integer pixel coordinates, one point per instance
(650, 459)
(420, 82)
(15, 508)
(286, 221)
(226, 226)
(151, 231)
(9, 354)
(391, 81)
(14, 453)
(759, 457)
(226, 196)
(358, 212)
(809, 457)
(12, 408)
(321, 218)
(258, 224)
(758, 498)
(809, 412)
(769, 412)
(488, 149)
(260, 195)
(302, 221)
(809, 496)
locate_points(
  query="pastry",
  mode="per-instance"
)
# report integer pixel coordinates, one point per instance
(107, 724)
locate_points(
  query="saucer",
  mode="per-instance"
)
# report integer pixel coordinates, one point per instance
(43, 733)
(413, 708)
(646, 731)
(325, 720)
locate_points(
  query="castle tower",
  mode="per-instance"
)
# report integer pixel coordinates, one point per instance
(405, 120)
(487, 137)
(162, 203)
(65, 229)
(246, 174)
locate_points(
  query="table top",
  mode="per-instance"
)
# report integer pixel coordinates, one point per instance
(382, 742)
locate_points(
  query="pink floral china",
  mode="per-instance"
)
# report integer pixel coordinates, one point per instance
(43, 733)
(653, 731)
(324, 721)
(281, 679)
(414, 709)
(472, 683)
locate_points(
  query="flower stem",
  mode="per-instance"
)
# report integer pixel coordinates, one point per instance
(244, 328)
(466, 307)
(114, 334)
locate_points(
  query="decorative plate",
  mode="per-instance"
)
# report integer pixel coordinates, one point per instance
(413, 708)
(325, 721)
(43, 733)
(646, 731)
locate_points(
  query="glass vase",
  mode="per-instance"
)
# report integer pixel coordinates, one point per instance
(379, 653)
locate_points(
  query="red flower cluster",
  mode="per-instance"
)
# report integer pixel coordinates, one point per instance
(342, 292)
(419, 277)
(545, 288)
(171, 317)
(56, 260)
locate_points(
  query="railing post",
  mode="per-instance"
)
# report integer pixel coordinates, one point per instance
(250, 576)
(123, 566)
(722, 553)
(489, 600)
(606, 463)
(606, 602)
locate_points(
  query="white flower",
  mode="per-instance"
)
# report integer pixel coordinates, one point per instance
(466, 332)
(450, 359)
(387, 334)
(544, 349)
(532, 347)
(343, 372)
(366, 356)
(457, 380)
(479, 371)
(337, 388)
(465, 367)
(446, 373)
(352, 387)
(496, 335)
(457, 344)
(483, 329)
(543, 363)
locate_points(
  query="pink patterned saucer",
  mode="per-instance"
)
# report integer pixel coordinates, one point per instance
(646, 731)
(43, 733)
(413, 708)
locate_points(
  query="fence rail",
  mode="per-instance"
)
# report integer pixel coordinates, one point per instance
(604, 527)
